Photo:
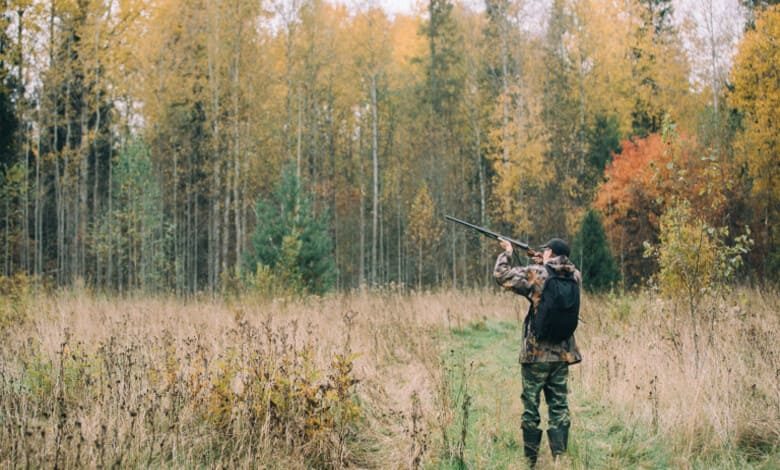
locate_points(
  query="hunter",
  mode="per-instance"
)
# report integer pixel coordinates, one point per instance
(545, 363)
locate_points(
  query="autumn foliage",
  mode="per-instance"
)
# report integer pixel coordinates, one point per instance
(629, 200)
(644, 180)
(504, 122)
(757, 95)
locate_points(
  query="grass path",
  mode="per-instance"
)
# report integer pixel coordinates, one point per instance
(484, 374)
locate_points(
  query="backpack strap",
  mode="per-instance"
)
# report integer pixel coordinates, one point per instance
(550, 272)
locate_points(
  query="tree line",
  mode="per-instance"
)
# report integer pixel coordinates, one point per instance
(191, 146)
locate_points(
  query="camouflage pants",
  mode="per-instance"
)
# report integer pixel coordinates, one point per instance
(550, 377)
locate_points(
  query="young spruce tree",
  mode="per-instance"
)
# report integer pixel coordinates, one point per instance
(290, 241)
(592, 256)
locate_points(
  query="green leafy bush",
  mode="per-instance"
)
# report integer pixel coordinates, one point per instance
(693, 256)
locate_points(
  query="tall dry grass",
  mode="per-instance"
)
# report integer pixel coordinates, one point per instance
(352, 380)
(345, 380)
(710, 388)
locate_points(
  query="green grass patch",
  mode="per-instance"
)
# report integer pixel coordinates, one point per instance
(603, 439)
(484, 374)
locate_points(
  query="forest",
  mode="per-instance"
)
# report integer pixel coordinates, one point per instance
(223, 240)
(301, 145)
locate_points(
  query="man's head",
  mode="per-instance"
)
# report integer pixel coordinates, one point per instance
(556, 247)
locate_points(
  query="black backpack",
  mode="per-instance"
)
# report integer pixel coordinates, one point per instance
(558, 312)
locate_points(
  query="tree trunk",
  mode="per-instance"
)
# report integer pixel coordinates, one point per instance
(95, 191)
(26, 204)
(713, 56)
(505, 94)
(24, 140)
(196, 245)
(244, 208)
(83, 189)
(237, 143)
(225, 227)
(194, 228)
(399, 234)
(482, 212)
(290, 30)
(299, 143)
(453, 242)
(216, 249)
(336, 240)
(419, 266)
(213, 254)
(237, 208)
(362, 209)
(382, 271)
(67, 257)
(375, 168)
(59, 211)
(38, 201)
(58, 191)
(176, 224)
(110, 262)
(7, 256)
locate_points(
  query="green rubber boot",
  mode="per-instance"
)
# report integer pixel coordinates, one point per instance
(531, 440)
(559, 440)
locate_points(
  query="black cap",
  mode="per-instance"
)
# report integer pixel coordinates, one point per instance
(558, 246)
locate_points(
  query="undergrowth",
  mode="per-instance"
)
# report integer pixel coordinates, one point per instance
(376, 380)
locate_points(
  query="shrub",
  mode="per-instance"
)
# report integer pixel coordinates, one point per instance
(15, 297)
(696, 263)
(694, 257)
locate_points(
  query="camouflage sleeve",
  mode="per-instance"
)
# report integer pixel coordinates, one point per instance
(509, 277)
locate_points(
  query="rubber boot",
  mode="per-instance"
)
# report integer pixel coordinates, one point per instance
(559, 440)
(531, 440)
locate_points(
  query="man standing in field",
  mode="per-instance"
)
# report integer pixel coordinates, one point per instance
(545, 362)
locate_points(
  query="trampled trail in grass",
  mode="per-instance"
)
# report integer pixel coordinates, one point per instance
(485, 375)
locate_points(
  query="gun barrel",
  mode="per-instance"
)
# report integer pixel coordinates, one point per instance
(488, 233)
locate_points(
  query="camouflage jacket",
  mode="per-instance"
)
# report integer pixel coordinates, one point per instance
(528, 281)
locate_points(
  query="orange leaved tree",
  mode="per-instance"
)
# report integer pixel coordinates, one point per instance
(647, 177)
(631, 204)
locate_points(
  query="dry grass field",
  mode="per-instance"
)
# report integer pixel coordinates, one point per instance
(710, 390)
(367, 380)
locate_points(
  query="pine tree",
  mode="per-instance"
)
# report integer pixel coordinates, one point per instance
(11, 171)
(8, 122)
(443, 84)
(592, 256)
(659, 68)
(603, 141)
(291, 240)
(563, 122)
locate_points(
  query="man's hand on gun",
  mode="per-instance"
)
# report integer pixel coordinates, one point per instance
(535, 256)
(506, 245)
